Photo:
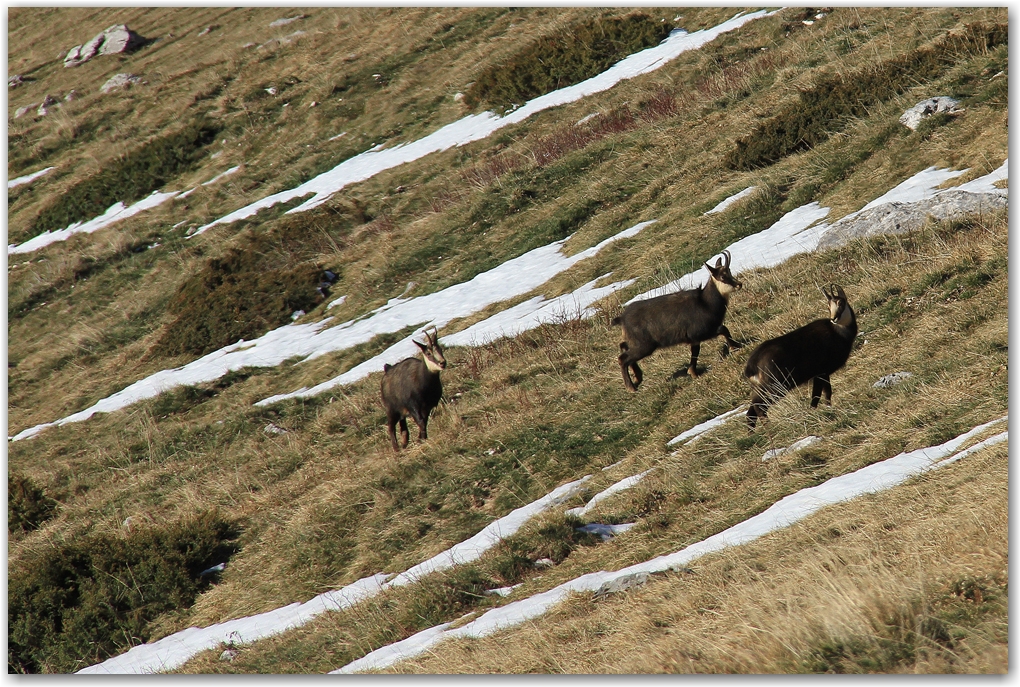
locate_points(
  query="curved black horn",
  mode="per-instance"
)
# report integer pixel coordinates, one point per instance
(828, 296)
(839, 290)
(726, 254)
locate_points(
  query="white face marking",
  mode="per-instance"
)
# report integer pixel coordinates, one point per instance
(724, 289)
(431, 364)
(844, 317)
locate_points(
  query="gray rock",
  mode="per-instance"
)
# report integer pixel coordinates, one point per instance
(14, 81)
(926, 108)
(120, 81)
(113, 40)
(891, 380)
(228, 655)
(622, 583)
(71, 95)
(544, 563)
(21, 111)
(899, 218)
(48, 102)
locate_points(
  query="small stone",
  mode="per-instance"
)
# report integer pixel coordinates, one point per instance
(71, 95)
(544, 563)
(15, 81)
(271, 90)
(622, 583)
(21, 111)
(48, 101)
(229, 655)
(891, 380)
(926, 108)
(458, 97)
(120, 81)
(273, 429)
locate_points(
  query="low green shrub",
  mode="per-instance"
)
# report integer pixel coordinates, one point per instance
(27, 505)
(563, 59)
(130, 177)
(834, 101)
(77, 603)
(248, 290)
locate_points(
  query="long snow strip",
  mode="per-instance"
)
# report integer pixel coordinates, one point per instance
(514, 277)
(28, 178)
(785, 512)
(799, 231)
(174, 650)
(480, 126)
(115, 213)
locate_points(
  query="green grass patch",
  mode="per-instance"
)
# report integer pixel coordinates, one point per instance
(79, 602)
(27, 505)
(834, 101)
(130, 177)
(562, 59)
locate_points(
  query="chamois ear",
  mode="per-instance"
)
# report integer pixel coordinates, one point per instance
(420, 345)
(718, 263)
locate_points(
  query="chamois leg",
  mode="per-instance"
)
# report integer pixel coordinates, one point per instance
(391, 429)
(404, 435)
(628, 361)
(759, 407)
(637, 373)
(820, 387)
(730, 342)
(693, 369)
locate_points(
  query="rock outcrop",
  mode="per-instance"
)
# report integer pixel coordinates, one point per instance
(899, 218)
(926, 108)
(113, 40)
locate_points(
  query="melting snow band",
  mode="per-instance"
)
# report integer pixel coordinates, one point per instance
(174, 650)
(868, 480)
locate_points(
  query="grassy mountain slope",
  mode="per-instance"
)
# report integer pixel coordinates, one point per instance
(884, 585)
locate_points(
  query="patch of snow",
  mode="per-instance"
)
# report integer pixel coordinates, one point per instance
(173, 650)
(785, 512)
(502, 591)
(732, 199)
(584, 119)
(471, 549)
(701, 428)
(986, 184)
(792, 448)
(606, 532)
(622, 485)
(28, 178)
(116, 213)
(480, 126)
(310, 340)
(338, 136)
(338, 301)
(512, 278)
(891, 380)
(796, 231)
(221, 175)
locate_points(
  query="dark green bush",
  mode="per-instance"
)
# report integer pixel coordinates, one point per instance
(563, 59)
(129, 178)
(829, 105)
(27, 505)
(241, 295)
(79, 602)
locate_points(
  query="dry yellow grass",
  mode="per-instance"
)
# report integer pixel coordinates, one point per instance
(328, 502)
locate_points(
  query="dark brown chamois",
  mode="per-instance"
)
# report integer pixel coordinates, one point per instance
(812, 352)
(412, 387)
(687, 317)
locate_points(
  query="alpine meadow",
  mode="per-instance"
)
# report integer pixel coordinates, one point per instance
(230, 228)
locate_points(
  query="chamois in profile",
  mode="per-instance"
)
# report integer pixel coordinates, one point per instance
(412, 387)
(812, 352)
(687, 317)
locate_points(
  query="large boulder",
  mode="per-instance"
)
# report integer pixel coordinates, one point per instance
(899, 218)
(113, 40)
(926, 108)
